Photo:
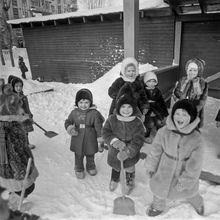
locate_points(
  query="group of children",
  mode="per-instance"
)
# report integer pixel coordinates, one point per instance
(138, 113)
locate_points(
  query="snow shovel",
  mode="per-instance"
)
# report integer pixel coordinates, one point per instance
(123, 205)
(49, 134)
(24, 183)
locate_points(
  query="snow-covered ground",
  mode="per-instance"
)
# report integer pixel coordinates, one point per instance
(60, 196)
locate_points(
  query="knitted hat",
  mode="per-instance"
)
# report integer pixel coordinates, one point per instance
(188, 106)
(150, 75)
(84, 94)
(20, 58)
(125, 96)
(200, 63)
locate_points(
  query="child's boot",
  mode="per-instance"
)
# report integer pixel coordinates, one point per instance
(80, 174)
(115, 178)
(153, 212)
(130, 182)
(92, 172)
(31, 146)
(113, 185)
(200, 210)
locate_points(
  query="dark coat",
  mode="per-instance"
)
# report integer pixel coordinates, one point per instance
(185, 90)
(218, 116)
(137, 89)
(176, 158)
(157, 103)
(89, 124)
(130, 132)
(28, 124)
(22, 66)
(16, 152)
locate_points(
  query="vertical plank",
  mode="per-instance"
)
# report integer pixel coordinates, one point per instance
(177, 42)
(131, 27)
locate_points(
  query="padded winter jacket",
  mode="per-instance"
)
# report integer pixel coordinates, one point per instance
(89, 124)
(131, 132)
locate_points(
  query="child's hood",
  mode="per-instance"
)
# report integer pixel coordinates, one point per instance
(126, 61)
(186, 130)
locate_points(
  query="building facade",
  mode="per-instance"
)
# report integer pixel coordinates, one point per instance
(32, 8)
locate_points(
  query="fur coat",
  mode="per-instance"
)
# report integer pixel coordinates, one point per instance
(176, 160)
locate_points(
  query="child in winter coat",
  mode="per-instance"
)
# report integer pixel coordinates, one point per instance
(175, 160)
(14, 151)
(157, 112)
(17, 85)
(124, 134)
(193, 86)
(129, 75)
(84, 124)
(22, 67)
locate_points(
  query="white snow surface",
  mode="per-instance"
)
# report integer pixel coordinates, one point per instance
(59, 195)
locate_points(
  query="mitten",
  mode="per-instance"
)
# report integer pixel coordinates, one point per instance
(179, 187)
(145, 111)
(71, 130)
(100, 144)
(122, 155)
(119, 145)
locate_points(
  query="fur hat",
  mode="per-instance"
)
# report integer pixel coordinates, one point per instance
(126, 96)
(188, 106)
(129, 61)
(84, 94)
(150, 75)
(199, 62)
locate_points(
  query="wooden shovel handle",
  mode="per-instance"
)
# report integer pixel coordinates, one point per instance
(122, 178)
(39, 126)
(24, 183)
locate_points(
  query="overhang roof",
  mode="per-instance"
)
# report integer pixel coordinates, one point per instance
(183, 7)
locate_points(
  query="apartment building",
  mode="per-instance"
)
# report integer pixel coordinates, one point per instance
(32, 8)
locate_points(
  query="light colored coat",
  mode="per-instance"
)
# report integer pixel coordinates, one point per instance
(176, 157)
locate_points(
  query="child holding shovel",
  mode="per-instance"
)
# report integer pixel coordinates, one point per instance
(124, 134)
(14, 151)
(84, 125)
(175, 161)
(17, 85)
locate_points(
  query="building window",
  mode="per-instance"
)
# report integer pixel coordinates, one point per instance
(35, 3)
(59, 9)
(14, 3)
(15, 13)
(53, 9)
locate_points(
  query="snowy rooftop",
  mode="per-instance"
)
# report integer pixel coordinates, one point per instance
(81, 13)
